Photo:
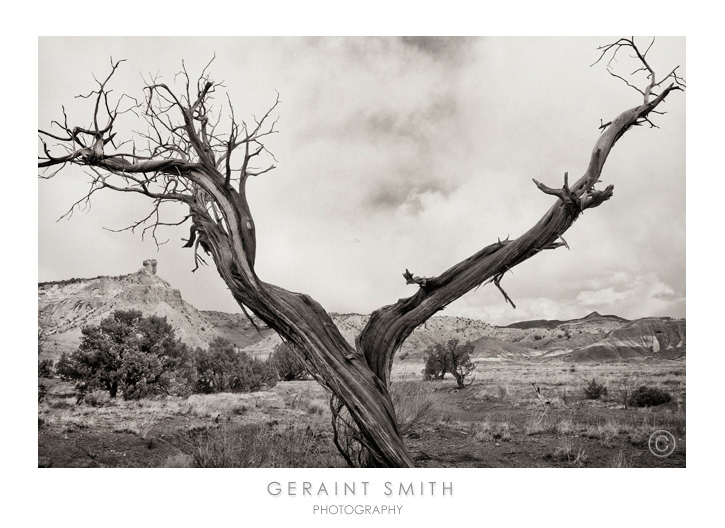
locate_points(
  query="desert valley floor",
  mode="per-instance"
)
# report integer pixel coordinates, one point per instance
(495, 422)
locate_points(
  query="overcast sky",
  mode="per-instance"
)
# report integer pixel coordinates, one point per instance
(401, 153)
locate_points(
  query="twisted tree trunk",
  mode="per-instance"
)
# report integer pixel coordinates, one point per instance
(190, 163)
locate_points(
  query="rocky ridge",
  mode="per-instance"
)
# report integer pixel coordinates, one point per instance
(64, 307)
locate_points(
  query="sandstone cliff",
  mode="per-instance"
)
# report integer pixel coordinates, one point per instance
(64, 307)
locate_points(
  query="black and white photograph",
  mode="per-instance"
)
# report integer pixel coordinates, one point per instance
(363, 252)
(301, 253)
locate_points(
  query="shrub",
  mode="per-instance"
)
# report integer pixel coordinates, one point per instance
(648, 397)
(436, 363)
(239, 409)
(288, 363)
(130, 354)
(68, 369)
(45, 368)
(222, 368)
(595, 390)
(452, 357)
(413, 404)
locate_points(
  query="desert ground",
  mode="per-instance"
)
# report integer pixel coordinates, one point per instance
(497, 421)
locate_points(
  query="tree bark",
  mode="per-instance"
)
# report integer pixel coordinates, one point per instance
(191, 165)
(389, 326)
(459, 381)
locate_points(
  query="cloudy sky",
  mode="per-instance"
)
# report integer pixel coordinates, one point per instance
(400, 153)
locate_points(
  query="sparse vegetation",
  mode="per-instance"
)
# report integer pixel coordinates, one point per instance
(45, 368)
(502, 392)
(442, 427)
(128, 353)
(179, 460)
(75, 280)
(179, 158)
(621, 460)
(259, 445)
(414, 402)
(451, 357)
(97, 399)
(137, 357)
(288, 363)
(648, 397)
(222, 368)
(595, 390)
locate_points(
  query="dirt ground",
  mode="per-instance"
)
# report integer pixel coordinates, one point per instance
(497, 421)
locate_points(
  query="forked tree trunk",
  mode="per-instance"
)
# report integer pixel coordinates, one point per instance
(459, 380)
(190, 168)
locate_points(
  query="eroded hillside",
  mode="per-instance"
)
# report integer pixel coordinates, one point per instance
(64, 307)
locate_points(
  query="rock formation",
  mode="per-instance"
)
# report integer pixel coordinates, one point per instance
(64, 307)
(149, 266)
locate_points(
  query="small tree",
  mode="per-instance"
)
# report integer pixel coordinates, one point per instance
(595, 390)
(130, 353)
(461, 364)
(436, 364)
(222, 368)
(288, 363)
(451, 357)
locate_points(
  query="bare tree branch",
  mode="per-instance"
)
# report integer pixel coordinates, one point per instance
(389, 326)
(183, 157)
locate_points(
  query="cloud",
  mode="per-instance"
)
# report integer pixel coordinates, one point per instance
(604, 297)
(419, 150)
(668, 295)
(439, 47)
(647, 292)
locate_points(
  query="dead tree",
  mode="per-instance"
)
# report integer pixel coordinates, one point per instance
(190, 155)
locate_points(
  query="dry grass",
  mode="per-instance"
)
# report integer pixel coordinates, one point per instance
(256, 446)
(491, 432)
(141, 427)
(289, 426)
(621, 460)
(179, 460)
(70, 422)
(567, 382)
(414, 403)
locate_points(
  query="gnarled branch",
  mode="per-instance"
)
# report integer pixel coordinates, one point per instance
(186, 161)
(182, 157)
(389, 326)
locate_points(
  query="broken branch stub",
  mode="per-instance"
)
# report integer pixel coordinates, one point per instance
(185, 159)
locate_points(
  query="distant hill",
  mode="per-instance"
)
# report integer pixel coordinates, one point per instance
(593, 317)
(64, 307)
(649, 338)
(437, 329)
